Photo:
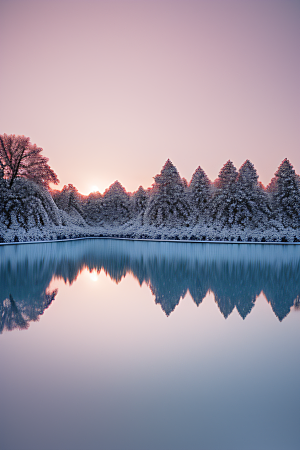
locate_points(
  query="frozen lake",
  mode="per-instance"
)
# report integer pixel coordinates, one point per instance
(109, 344)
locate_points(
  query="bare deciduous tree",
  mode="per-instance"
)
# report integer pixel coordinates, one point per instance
(20, 158)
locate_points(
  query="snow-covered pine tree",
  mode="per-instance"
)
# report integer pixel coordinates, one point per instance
(68, 199)
(252, 207)
(224, 203)
(168, 203)
(199, 193)
(284, 190)
(185, 183)
(116, 206)
(91, 206)
(139, 200)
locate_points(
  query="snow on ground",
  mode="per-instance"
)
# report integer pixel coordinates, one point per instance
(131, 230)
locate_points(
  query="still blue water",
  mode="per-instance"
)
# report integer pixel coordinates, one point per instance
(110, 344)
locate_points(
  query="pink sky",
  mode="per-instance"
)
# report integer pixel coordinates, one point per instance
(111, 89)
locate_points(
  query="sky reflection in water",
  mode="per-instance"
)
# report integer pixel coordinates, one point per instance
(105, 367)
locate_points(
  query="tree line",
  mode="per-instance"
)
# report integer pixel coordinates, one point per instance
(236, 197)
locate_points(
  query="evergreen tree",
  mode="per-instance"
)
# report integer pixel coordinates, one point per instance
(224, 203)
(116, 207)
(91, 206)
(252, 201)
(168, 203)
(139, 200)
(199, 194)
(185, 183)
(68, 199)
(284, 189)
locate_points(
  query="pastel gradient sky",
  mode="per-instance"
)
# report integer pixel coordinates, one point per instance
(111, 89)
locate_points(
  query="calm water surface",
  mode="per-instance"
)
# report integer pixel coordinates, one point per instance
(137, 345)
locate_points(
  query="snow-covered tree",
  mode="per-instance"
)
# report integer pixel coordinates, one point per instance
(224, 203)
(68, 199)
(139, 200)
(227, 176)
(91, 206)
(284, 190)
(199, 193)
(168, 203)
(252, 205)
(116, 206)
(27, 205)
(20, 158)
(185, 183)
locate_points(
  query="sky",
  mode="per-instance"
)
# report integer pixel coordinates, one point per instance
(111, 89)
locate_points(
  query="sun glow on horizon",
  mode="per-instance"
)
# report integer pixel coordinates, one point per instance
(94, 275)
(94, 188)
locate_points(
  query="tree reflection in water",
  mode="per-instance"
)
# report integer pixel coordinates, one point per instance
(236, 274)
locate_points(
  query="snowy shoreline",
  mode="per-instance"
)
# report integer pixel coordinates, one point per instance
(134, 230)
(169, 212)
(185, 241)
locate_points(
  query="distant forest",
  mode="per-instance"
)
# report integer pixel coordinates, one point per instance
(233, 207)
(234, 198)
